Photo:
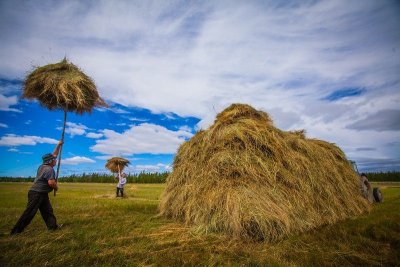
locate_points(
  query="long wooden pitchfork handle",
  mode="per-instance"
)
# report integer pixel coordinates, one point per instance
(62, 139)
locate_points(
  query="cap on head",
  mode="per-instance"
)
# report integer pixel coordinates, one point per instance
(47, 158)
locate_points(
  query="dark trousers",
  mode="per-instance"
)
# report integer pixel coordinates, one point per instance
(36, 201)
(120, 190)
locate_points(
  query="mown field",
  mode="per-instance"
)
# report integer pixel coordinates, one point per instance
(101, 230)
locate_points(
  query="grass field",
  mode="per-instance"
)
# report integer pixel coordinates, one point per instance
(100, 230)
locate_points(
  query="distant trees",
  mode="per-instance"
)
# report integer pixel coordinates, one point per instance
(143, 178)
(160, 177)
(16, 179)
(393, 176)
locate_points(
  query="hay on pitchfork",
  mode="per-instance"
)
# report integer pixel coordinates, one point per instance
(62, 86)
(117, 164)
(248, 179)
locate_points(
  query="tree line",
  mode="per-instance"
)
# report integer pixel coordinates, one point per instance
(392, 176)
(141, 178)
(160, 177)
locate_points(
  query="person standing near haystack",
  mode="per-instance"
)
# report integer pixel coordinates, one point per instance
(366, 188)
(121, 183)
(38, 198)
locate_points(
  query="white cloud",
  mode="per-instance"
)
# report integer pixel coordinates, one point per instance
(16, 140)
(118, 110)
(186, 60)
(168, 168)
(144, 138)
(6, 102)
(147, 168)
(103, 157)
(138, 119)
(114, 109)
(10, 86)
(383, 120)
(77, 160)
(160, 167)
(74, 128)
(107, 157)
(94, 135)
(2, 125)
(15, 150)
(185, 128)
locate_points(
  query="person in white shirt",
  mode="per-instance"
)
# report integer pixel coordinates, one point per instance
(121, 177)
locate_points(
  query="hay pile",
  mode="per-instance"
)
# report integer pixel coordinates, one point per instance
(117, 164)
(244, 177)
(62, 86)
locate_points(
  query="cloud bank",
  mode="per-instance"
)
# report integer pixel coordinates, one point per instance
(330, 67)
(15, 140)
(77, 160)
(7, 102)
(143, 138)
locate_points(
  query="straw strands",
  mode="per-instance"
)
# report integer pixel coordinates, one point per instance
(246, 178)
(62, 86)
(117, 164)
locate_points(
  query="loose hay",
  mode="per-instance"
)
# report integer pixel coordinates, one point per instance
(244, 177)
(62, 86)
(117, 164)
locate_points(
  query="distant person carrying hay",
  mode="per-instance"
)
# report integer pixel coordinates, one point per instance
(116, 165)
(38, 198)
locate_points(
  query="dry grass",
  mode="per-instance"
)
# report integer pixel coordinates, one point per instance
(125, 232)
(62, 86)
(117, 164)
(246, 178)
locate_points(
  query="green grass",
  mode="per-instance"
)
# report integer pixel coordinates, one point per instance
(101, 230)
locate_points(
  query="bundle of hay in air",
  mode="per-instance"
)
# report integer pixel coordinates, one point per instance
(62, 86)
(246, 178)
(117, 164)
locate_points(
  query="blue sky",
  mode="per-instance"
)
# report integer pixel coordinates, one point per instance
(168, 67)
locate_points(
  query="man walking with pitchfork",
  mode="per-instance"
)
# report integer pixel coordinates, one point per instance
(38, 195)
(60, 86)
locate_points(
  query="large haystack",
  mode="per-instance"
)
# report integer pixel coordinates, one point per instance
(244, 177)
